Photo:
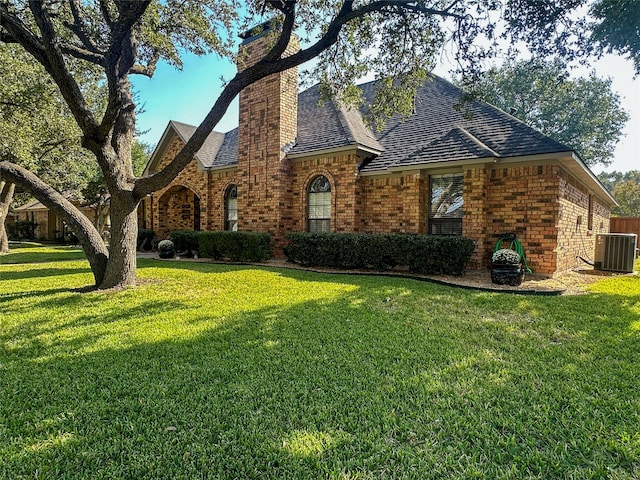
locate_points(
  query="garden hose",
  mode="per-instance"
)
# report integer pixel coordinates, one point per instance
(514, 245)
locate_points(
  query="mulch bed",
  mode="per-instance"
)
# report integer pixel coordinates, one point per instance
(572, 282)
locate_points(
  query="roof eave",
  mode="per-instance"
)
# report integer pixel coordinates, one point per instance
(222, 168)
(574, 164)
(359, 149)
(428, 165)
(161, 148)
(584, 173)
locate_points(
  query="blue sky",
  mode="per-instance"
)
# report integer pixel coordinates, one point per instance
(187, 96)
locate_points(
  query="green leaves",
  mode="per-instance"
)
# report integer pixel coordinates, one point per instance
(582, 113)
(35, 125)
(616, 28)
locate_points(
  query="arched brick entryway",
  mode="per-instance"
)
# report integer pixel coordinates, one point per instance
(178, 209)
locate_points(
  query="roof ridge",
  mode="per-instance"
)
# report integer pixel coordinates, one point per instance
(476, 140)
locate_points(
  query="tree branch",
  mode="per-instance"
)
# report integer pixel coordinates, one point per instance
(77, 27)
(270, 64)
(120, 58)
(82, 54)
(147, 70)
(285, 34)
(57, 68)
(18, 32)
(94, 247)
(104, 8)
(6, 191)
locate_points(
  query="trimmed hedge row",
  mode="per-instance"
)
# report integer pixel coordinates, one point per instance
(219, 245)
(426, 254)
(185, 242)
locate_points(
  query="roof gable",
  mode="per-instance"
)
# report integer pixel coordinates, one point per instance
(184, 131)
(443, 128)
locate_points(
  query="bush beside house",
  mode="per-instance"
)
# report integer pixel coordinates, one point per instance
(426, 254)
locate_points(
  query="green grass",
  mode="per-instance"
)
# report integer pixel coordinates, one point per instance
(217, 371)
(30, 252)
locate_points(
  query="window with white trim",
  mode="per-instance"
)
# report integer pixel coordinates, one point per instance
(319, 205)
(445, 207)
(231, 208)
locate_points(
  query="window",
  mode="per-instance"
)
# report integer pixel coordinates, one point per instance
(590, 213)
(231, 208)
(445, 209)
(319, 205)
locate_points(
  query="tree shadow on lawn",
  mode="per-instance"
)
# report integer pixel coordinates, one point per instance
(391, 380)
(31, 271)
(60, 254)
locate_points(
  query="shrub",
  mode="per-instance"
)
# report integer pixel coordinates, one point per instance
(235, 246)
(428, 254)
(166, 249)
(145, 239)
(21, 230)
(185, 241)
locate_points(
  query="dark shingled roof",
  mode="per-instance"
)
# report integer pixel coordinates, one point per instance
(445, 129)
(326, 125)
(211, 146)
(437, 132)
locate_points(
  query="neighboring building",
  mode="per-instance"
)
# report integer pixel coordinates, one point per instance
(296, 165)
(47, 225)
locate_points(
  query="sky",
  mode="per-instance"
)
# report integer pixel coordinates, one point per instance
(187, 95)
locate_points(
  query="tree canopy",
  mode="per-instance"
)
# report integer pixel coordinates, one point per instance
(119, 38)
(582, 113)
(37, 130)
(617, 28)
(625, 187)
(35, 125)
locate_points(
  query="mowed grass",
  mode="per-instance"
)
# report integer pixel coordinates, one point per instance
(29, 252)
(217, 371)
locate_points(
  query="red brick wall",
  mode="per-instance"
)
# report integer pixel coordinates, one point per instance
(394, 204)
(574, 236)
(474, 219)
(219, 181)
(165, 214)
(340, 170)
(524, 200)
(268, 121)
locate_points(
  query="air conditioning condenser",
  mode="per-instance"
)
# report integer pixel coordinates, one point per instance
(616, 252)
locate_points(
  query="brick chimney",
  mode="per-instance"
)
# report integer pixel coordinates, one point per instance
(268, 122)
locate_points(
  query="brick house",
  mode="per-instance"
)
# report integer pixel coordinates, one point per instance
(294, 164)
(47, 225)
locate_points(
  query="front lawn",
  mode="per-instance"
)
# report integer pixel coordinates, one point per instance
(218, 371)
(29, 252)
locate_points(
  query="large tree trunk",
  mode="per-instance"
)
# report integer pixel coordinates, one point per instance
(88, 236)
(121, 266)
(6, 197)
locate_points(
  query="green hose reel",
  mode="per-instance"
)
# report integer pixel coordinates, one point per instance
(514, 245)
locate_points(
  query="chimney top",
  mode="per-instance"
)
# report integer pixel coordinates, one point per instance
(256, 32)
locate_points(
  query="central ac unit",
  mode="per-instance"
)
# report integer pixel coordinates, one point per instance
(616, 252)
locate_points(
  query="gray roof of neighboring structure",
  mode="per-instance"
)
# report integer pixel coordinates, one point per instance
(442, 129)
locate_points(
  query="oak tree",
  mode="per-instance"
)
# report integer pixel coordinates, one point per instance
(582, 113)
(37, 131)
(121, 38)
(625, 187)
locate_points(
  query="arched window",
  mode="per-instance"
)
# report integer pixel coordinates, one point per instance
(319, 205)
(231, 208)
